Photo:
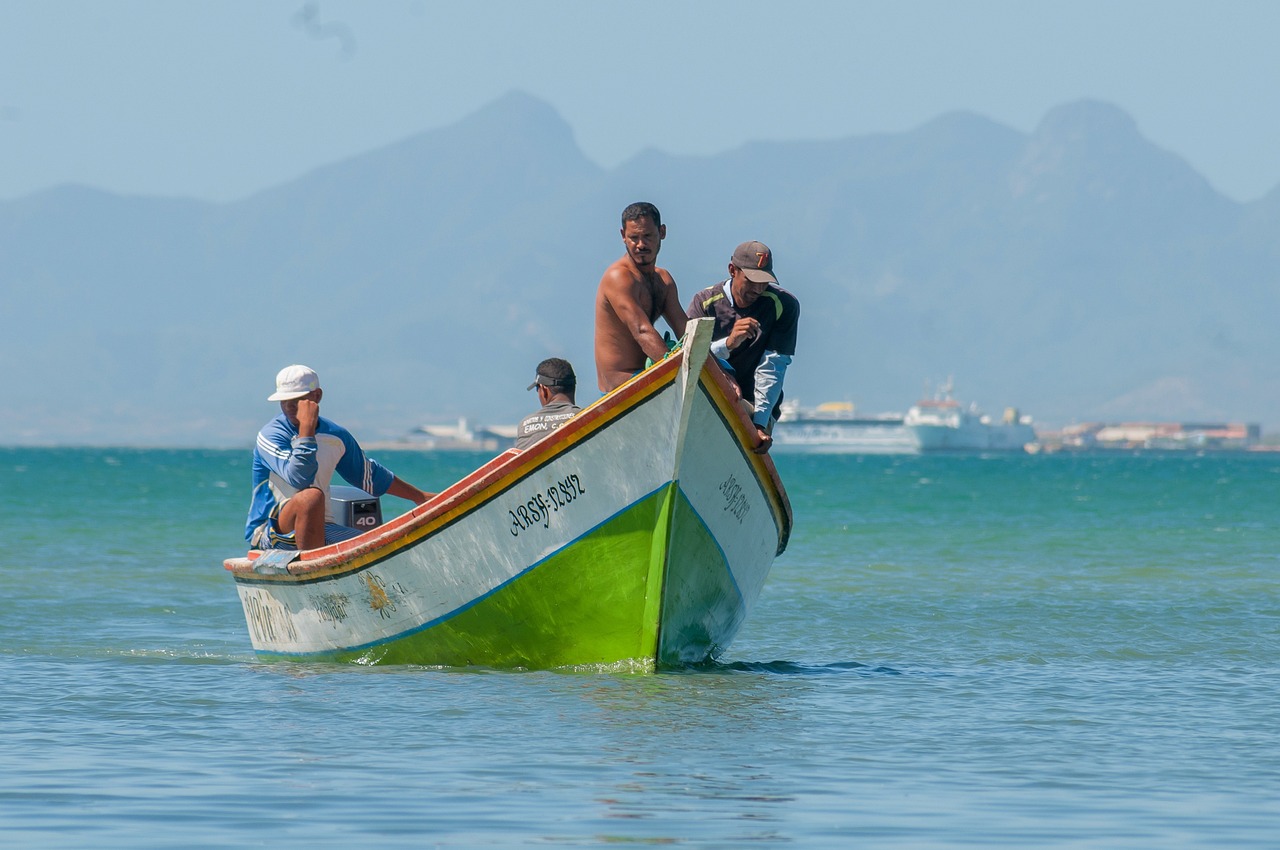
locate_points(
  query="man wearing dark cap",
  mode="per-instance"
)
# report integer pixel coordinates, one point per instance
(755, 331)
(556, 385)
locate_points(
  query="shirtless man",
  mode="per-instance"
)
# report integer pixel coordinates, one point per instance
(633, 293)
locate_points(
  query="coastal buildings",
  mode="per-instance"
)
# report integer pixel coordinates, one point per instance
(460, 437)
(1164, 436)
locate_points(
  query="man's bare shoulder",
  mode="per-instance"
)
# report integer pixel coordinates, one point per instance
(620, 274)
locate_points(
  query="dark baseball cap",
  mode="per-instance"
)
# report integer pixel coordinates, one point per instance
(756, 261)
(554, 372)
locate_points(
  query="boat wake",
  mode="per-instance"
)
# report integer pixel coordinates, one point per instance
(791, 668)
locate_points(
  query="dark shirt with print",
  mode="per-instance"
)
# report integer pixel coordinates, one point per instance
(537, 425)
(778, 313)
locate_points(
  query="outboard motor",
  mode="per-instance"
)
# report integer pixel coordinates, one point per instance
(354, 508)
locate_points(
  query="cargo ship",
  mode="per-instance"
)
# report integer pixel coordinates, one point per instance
(834, 427)
(934, 424)
(942, 424)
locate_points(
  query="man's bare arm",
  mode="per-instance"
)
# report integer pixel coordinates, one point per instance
(671, 309)
(619, 289)
(404, 490)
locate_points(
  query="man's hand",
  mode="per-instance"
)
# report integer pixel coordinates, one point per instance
(744, 331)
(308, 417)
(766, 440)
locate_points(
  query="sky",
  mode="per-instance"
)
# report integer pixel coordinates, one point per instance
(217, 99)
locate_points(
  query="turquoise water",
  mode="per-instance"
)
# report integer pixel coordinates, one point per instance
(1048, 651)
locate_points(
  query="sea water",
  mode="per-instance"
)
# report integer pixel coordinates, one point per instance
(967, 651)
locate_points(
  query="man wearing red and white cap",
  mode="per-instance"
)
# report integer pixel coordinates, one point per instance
(755, 331)
(294, 459)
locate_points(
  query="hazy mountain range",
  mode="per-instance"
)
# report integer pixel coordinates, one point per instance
(1079, 272)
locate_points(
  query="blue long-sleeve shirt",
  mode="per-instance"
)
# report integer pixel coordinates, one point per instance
(284, 463)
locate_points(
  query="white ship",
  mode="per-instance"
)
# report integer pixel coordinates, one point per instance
(943, 424)
(835, 428)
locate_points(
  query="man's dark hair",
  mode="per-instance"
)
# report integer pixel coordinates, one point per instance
(639, 210)
(558, 374)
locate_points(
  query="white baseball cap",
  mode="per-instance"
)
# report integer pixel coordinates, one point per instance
(294, 382)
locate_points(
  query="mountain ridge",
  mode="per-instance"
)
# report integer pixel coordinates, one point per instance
(1078, 272)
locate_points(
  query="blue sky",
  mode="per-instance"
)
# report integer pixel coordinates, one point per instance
(216, 100)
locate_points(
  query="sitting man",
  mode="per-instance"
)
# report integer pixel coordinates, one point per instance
(755, 331)
(293, 461)
(556, 385)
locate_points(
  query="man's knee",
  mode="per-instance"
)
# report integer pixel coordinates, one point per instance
(305, 505)
(309, 500)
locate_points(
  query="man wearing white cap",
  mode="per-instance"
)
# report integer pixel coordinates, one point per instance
(755, 331)
(293, 462)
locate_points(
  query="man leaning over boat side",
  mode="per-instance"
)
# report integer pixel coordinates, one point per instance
(294, 459)
(631, 296)
(556, 385)
(756, 323)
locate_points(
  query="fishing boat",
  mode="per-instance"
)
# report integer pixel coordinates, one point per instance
(941, 423)
(637, 536)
